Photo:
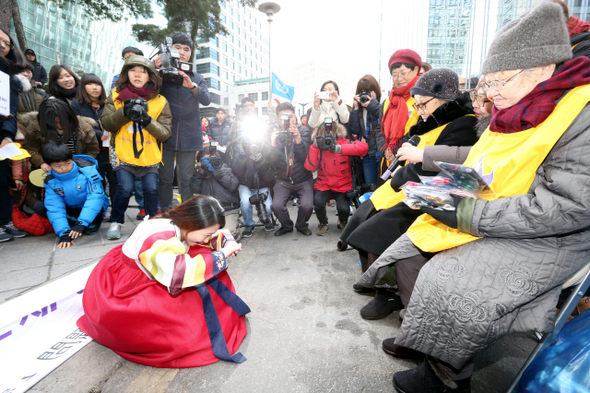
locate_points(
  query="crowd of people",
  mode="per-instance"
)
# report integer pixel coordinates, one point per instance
(461, 277)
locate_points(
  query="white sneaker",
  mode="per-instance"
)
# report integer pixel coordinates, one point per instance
(114, 231)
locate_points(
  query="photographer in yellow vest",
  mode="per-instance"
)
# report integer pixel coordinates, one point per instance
(140, 121)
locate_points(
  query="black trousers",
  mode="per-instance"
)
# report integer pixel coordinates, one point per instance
(282, 192)
(342, 205)
(5, 198)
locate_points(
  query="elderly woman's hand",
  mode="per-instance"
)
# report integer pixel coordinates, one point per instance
(410, 153)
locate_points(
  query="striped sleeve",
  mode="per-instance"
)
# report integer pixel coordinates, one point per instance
(164, 258)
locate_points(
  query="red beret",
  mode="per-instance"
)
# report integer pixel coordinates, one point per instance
(406, 56)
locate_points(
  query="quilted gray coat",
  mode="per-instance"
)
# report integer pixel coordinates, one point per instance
(467, 297)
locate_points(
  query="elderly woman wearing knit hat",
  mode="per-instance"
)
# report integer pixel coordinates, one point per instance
(499, 262)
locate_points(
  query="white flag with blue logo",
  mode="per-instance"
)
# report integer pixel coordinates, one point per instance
(280, 89)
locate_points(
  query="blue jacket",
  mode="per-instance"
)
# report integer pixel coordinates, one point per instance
(87, 110)
(79, 188)
(187, 134)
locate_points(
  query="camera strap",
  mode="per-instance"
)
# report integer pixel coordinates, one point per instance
(137, 130)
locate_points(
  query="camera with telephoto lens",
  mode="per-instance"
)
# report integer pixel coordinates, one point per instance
(365, 96)
(171, 64)
(325, 142)
(284, 137)
(258, 200)
(138, 108)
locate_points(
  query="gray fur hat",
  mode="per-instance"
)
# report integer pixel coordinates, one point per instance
(536, 38)
(439, 82)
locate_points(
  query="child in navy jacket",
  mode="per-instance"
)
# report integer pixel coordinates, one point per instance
(74, 196)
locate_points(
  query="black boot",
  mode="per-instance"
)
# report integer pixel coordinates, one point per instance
(384, 303)
(423, 379)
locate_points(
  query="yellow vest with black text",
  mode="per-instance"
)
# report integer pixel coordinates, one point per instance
(152, 147)
(509, 163)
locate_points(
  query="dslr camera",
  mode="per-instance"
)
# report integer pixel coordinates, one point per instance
(171, 64)
(139, 106)
(365, 96)
(284, 138)
(325, 142)
(258, 200)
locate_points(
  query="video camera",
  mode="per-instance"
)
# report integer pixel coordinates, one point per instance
(325, 142)
(258, 201)
(284, 137)
(171, 64)
(140, 106)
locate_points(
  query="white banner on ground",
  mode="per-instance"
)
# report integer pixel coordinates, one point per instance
(34, 345)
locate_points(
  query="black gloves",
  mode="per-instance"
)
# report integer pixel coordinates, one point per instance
(336, 148)
(449, 218)
(79, 228)
(145, 120)
(463, 210)
(65, 238)
(135, 109)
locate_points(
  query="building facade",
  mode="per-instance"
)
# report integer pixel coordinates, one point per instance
(68, 36)
(241, 54)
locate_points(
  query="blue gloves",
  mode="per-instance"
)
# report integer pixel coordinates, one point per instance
(210, 168)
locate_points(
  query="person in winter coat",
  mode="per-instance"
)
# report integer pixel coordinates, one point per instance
(74, 197)
(39, 73)
(187, 135)
(334, 179)
(76, 132)
(289, 148)
(140, 121)
(31, 98)
(365, 123)
(249, 161)
(220, 183)
(63, 83)
(90, 102)
(164, 298)
(500, 262)
(12, 61)
(333, 106)
(577, 30)
(220, 128)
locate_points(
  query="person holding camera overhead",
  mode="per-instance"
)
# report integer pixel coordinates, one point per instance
(327, 103)
(290, 145)
(249, 161)
(365, 122)
(184, 90)
(140, 121)
(329, 155)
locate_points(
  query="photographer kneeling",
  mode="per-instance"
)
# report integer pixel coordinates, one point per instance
(212, 177)
(248, 160)
(329, 154)
(184, 90)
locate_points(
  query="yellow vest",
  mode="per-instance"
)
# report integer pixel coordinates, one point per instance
(152, 151)
(385, 197)
(511, 161)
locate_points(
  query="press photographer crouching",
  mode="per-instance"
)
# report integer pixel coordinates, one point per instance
(248, 156)
(329, 154)
(290, 145)
(184, 90)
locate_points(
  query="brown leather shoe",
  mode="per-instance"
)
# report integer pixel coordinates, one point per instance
(400, 352)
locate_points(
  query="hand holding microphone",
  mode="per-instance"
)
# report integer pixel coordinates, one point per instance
(413, 141)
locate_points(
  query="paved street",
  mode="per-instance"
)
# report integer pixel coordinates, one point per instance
(305, 333)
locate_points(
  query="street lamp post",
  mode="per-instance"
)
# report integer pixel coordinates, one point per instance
(269, 9)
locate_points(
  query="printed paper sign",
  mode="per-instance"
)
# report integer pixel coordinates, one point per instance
(4, 94)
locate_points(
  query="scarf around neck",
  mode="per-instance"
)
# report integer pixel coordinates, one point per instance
(396, 115)
(536, 106)
(70, 94)
(576, 26)
(130, 91)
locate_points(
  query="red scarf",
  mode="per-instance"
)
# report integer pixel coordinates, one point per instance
(576, 26)
(393, 124)
(536, 106)
(130, 91)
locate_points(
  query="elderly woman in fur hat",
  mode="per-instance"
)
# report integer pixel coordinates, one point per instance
(496, 265)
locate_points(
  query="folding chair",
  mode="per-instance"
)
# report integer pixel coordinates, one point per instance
(582, 282)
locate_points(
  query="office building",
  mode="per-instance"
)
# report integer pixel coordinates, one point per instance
(241, 54)
(68, 36)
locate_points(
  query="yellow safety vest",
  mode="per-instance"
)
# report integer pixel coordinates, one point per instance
(511, 160)
(152, 151)
(385, 197)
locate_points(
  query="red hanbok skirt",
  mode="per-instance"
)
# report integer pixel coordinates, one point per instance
(139, 320)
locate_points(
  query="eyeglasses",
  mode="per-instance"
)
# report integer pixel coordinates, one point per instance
(497, 84)
(6, 44)
(422, 106)
(402, 74)
(481, 100)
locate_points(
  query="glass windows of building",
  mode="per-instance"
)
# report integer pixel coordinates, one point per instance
(265, 94)
(222, 17)
(232, 64)
(208, 53)
(224, 46)
(208, 68)
(226, 101)
(225, 60)
(212, 83)
(215, 98)
(231, 52)
(240, 97)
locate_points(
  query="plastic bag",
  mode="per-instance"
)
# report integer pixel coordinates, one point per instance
(564, 366)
